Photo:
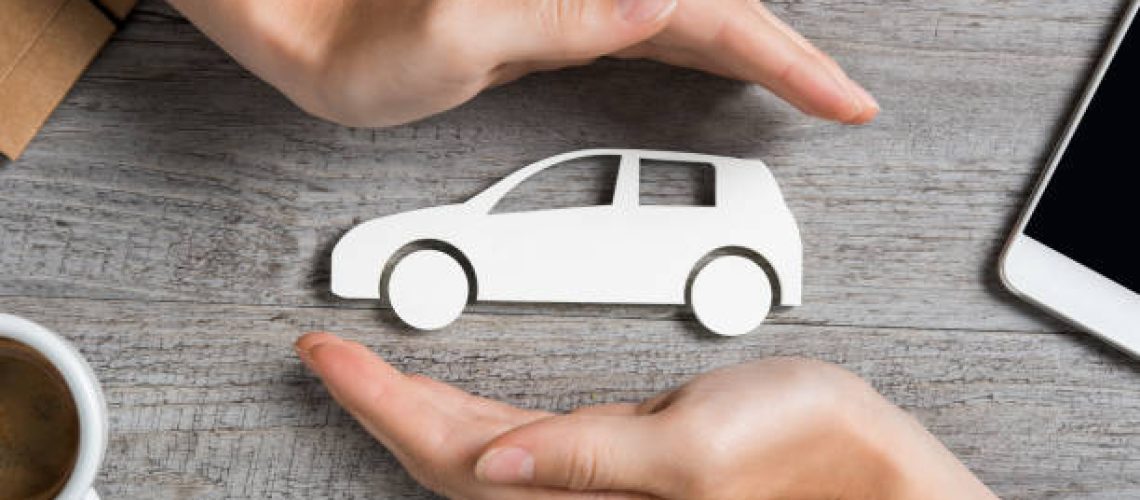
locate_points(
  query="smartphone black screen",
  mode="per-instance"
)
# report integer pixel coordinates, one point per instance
(1090, 211)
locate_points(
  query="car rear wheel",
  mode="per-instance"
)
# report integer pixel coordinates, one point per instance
(428, 289)
(731, 295)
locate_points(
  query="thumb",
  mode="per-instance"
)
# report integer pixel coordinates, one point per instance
(582, 452)
(553, 30)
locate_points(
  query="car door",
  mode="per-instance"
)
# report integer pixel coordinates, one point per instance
(674, 224)
(551, 238)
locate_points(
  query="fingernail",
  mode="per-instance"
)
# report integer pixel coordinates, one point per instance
(869, 101)
(848, 87)
(645, 11)
(304, 349)
(505, 466)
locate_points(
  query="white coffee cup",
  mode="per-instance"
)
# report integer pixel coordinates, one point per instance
(85, 392)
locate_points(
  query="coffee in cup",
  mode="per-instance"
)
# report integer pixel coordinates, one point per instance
(53, 420)
(39, 425)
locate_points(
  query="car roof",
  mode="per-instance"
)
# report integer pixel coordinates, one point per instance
(645, 154)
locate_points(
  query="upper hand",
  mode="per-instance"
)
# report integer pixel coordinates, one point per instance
(379, 63)
(777, 428)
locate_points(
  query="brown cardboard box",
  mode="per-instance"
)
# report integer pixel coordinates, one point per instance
(44, 46)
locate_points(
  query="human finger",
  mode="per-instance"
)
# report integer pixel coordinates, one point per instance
(582, 453)
(742, 39)
(395, 408)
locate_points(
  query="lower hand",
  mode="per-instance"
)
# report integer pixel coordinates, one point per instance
(777, 428)
(379, 63)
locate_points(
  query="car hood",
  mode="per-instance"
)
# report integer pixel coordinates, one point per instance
(360, 256)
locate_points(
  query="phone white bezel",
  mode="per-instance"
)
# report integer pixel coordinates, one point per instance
(1053, 281)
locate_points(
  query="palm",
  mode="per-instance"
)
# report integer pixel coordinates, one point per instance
(451, 429)
(435, 430)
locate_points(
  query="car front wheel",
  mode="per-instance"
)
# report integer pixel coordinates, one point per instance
(731, 295)
(428, 289)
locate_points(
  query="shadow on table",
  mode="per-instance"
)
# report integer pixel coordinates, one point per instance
(1102, 353)
(633, 104)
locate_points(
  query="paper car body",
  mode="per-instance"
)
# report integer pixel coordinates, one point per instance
(621, 252)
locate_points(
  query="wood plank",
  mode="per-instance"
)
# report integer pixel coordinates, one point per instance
(208, 401)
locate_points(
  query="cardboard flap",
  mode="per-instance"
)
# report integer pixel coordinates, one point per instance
(22, 23)
(44, 46)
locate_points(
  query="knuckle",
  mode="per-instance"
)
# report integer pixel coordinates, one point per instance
(565, 20)
(555, 16)
(582, 472)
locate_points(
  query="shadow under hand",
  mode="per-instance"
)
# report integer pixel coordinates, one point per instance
(630, 104)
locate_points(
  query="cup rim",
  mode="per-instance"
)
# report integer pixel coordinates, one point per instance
(85, 391)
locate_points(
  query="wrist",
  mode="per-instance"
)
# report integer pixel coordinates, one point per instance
(853, 448)
(875, 450)
(876, 465)
(910, 463)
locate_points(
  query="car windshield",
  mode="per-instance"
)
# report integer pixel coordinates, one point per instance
(585, 181)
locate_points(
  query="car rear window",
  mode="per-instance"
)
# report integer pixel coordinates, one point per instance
(677, 183)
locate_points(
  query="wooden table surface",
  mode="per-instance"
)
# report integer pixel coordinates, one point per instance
(175, 217)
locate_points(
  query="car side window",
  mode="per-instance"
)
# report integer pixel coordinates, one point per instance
(674, 183)
(581, 182)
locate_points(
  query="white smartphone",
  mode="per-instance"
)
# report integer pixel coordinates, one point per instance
(1076, 249)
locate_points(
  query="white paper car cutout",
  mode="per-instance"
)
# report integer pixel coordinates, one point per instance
(730, 261)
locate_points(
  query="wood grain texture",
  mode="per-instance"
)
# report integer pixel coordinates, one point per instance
(175, 217)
